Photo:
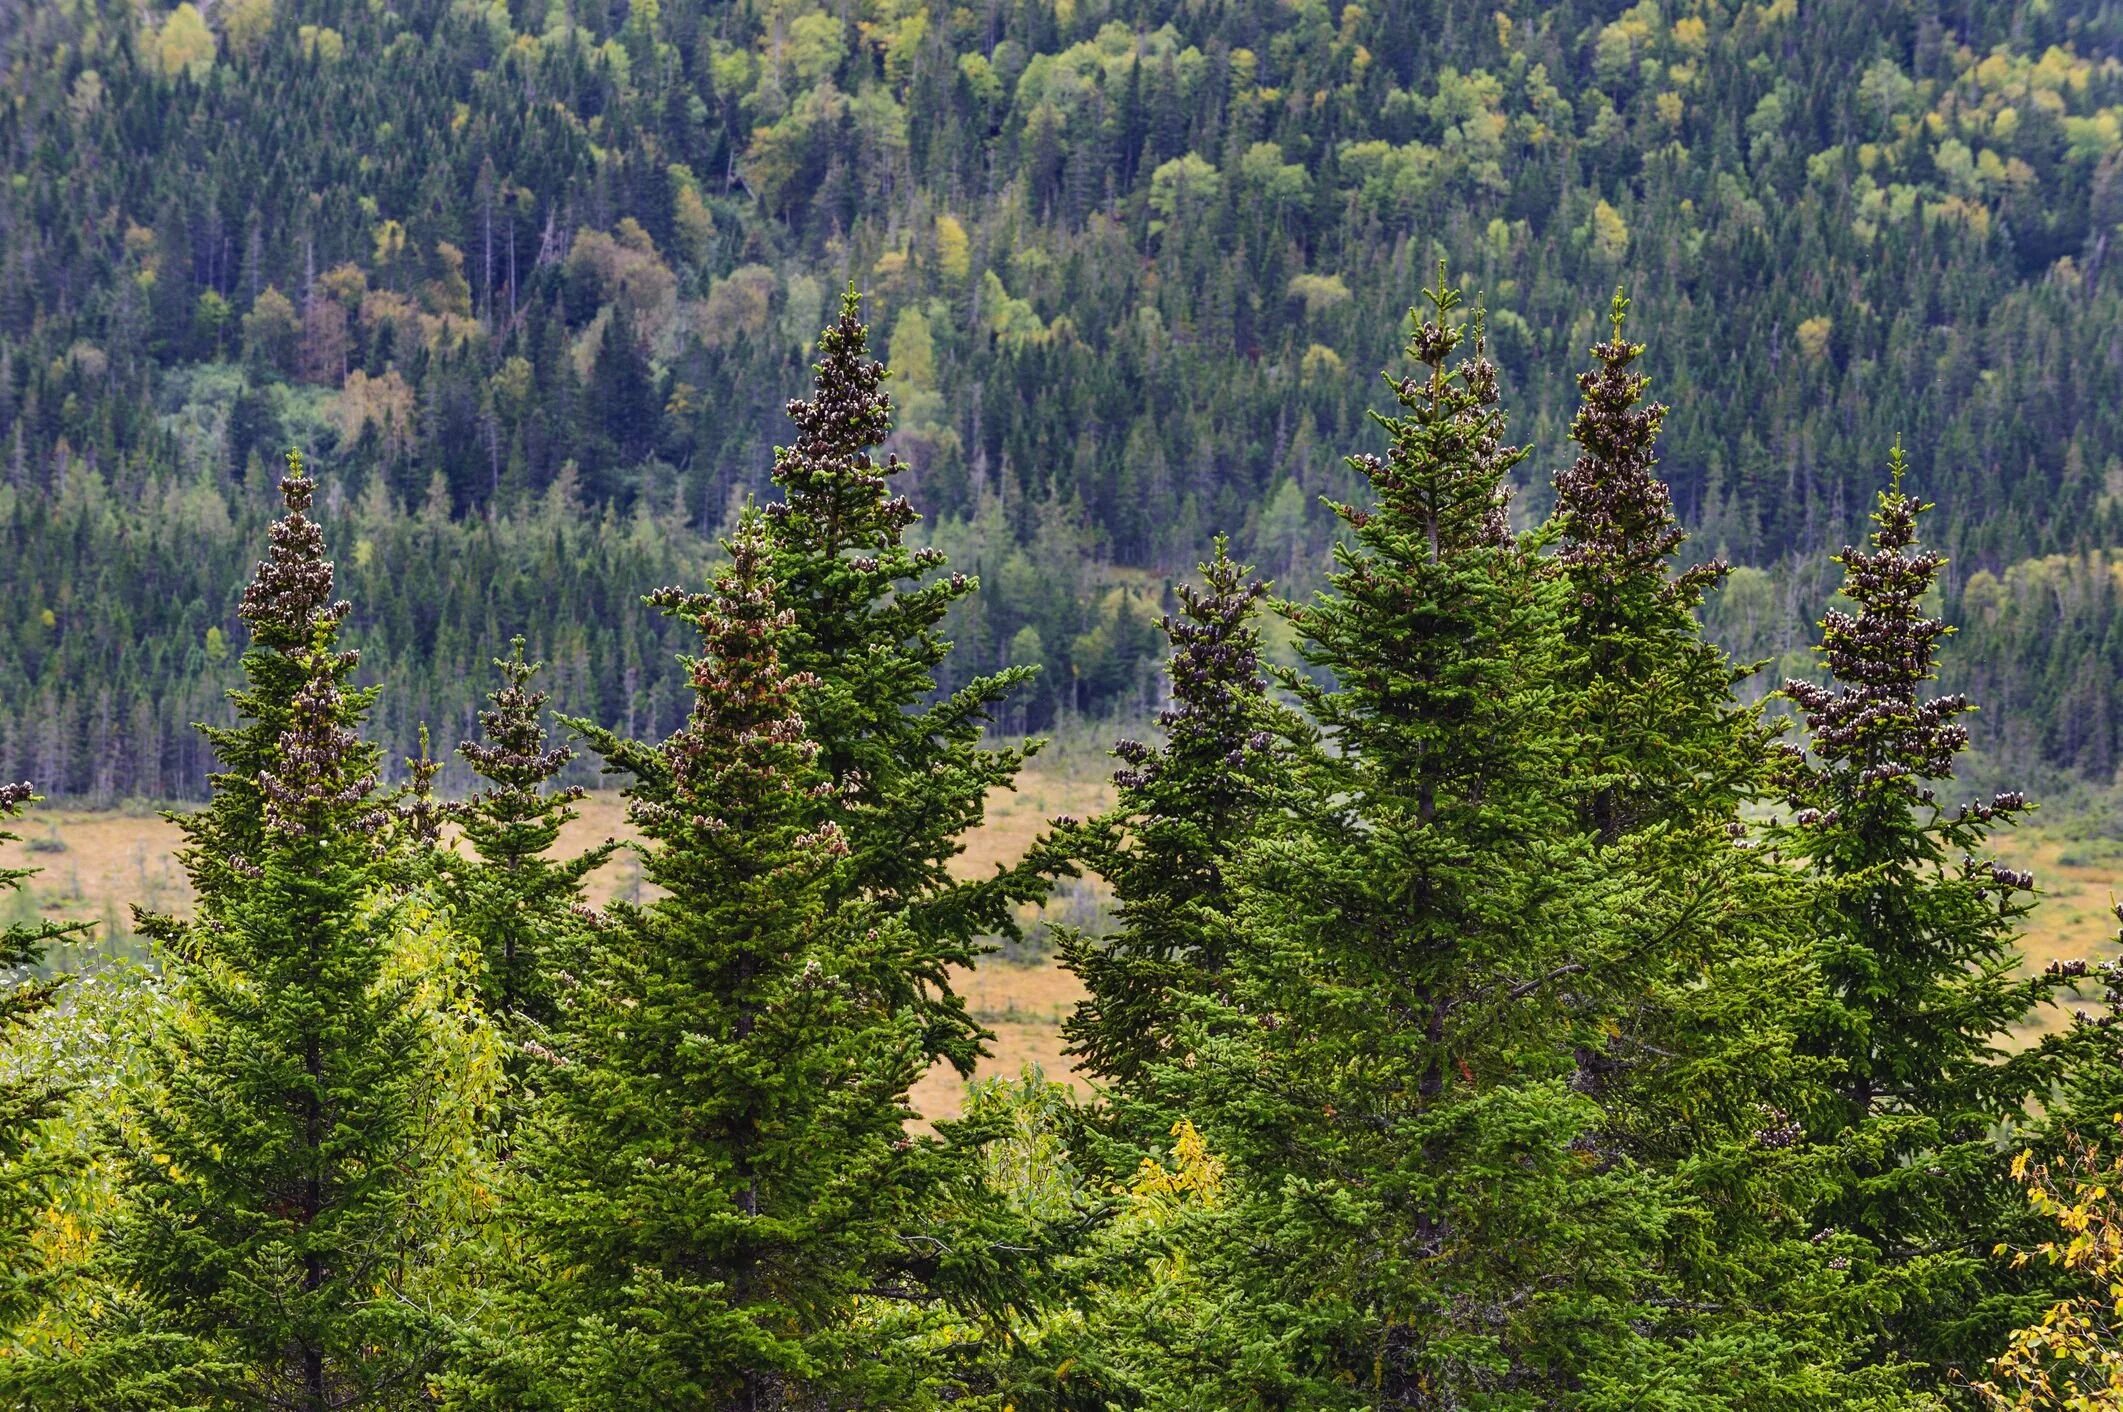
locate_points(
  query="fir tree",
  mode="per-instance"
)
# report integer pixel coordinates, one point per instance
(1915, 926)
(273, 1215)
(1688, 1001)
(1660, 738)
(1383, 1070)
(720, 1168)
(519, 904)
(1185, 809)
(910, 775)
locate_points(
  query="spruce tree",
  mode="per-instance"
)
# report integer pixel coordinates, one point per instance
(1185, 808)
(273, 1218)
(1915, 926)
(719, 1170)
(1384, 1068)
(1688, 1006)
(517, 903)
(1658, 734)
(910, 774)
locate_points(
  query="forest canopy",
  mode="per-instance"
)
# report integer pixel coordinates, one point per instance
(1132, 268)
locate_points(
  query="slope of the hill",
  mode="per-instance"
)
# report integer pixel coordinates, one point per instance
(1137, 267)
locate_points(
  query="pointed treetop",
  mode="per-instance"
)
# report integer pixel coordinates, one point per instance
(847, 414)
(1873, 720)
(289, 599)
(513, 751)
(1615, 513)
(743, 752)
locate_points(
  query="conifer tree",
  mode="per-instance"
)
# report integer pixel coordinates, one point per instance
(1386, 1074)
(910, 775)
(719, 1169)
(1915, 926)
(273, 1215)
(25, 1100)
(509, 896)
(1185, 809)
(1658, 732)
(1689, 1003)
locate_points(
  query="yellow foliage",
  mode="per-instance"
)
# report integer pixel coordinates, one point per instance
(913, 349)
(737, 306)
(1196, 1174)
(385, 403)
(185, 44)
(390, 241)
(1320, 364)
(690, 214)
(2072, 1359)
(1813, 337)
(1319, 292)
(630, 274)
(246, 23)
(1609, 234)
(953, 251)
(321, 42)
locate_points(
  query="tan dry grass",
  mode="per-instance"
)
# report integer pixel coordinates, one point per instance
(115, 859)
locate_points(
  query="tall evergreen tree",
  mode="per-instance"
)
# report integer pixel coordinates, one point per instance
(1386, 1076)
(910, 774)
(1915, 926)
(1185, 809)
(1687, 1004)
(1659, 737)
(273, 1213)
(720, 1171)
(518, 903)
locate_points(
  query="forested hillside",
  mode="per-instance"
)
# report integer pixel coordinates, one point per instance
(532, 279)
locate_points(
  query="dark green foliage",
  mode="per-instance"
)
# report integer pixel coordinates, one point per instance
(907, 775)
(1418, 1224)
(1851, 218)
(1654, 699)
(1185, 809)
(1913, 926)
(520, 905)
(1479, 1000)
(25, 1100)
(720, 1173)
(272, 1215)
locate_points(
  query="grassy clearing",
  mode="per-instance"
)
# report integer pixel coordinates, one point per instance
(97, 864)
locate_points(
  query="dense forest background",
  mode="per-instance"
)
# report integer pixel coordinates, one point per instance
(531, 280)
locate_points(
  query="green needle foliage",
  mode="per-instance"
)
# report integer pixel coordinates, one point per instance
(520, 905)
(1687, 1000)
(273, 1227)
(1914, 926)
(909, 773)
(1166, 849)
(720, 1168)
(1417, 1224)
(26, 1100)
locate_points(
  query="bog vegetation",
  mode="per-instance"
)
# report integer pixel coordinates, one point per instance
(1499, 1012)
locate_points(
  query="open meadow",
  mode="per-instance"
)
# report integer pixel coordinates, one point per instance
(98, 863)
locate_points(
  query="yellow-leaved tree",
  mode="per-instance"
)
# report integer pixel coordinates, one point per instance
(2072, 1360)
